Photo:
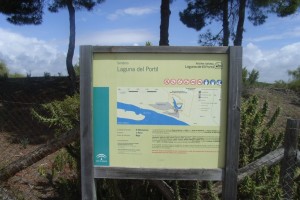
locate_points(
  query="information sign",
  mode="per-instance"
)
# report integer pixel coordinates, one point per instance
(159, 110)
(160, 113)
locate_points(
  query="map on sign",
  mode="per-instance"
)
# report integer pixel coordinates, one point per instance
(169, 106)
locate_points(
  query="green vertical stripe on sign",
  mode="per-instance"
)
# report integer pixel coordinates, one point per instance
(101, 125)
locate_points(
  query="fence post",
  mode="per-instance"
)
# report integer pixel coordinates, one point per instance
(289, 161)
(88, 187)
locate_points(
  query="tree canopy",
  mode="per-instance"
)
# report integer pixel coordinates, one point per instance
(232, 14)
(295, 74)
(55, 5)
(23, 11)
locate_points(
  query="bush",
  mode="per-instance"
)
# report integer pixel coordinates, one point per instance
(280, 84)
(257, 140)
(249, 78)
(16, 75)
(47, 75)
(77, 69)
(3, 70)
(295, 83)
(63, 116)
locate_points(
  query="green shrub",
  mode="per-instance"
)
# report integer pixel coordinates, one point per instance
(148, 43)
(249, 79)
(47, 75)
(295, 83)
(63, 116)
(3, 70)
(77, 69)
(16, 75)
(194, 192)
(280, 84)
(257, 140)
(295, 74)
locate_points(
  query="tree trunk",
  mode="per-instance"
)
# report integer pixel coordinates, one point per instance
(240, 26)
(38, 154)
(226, 32)
(71, 48)
(164, 22)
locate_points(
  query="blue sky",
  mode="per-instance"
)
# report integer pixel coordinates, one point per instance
(272, 48)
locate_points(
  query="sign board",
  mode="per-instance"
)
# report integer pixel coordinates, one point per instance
(159, 112)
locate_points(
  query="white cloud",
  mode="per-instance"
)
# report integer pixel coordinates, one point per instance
(273, 64)
(30, 55)
(133, 11)
(138, 11)
(267, 38)
(293, 32)
(118, 37)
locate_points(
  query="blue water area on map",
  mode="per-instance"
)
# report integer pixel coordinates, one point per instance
(151, 117)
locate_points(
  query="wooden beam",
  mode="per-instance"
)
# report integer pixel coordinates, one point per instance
(160, 49)
(158, 174)
(233, 124)
(86, 139)
(270, 159)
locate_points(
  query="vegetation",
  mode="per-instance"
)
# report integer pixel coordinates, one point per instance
(22, 11)
(280, 84)
(63, 116)
(77, 69)
(257, 137)
(257, 140)
(249, 78)
(295, 83)
(4, 72)
(201, 13)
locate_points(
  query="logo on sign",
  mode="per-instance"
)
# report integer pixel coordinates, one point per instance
(101, 157)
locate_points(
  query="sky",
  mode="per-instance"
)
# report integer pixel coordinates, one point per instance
(272, 48)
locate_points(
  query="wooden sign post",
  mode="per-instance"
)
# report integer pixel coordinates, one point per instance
(160, 113)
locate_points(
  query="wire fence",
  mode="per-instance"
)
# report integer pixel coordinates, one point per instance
(288, 185)
(18, 129)
(20, 133)
(290, 161)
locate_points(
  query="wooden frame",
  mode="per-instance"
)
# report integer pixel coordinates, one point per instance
(228, 174)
